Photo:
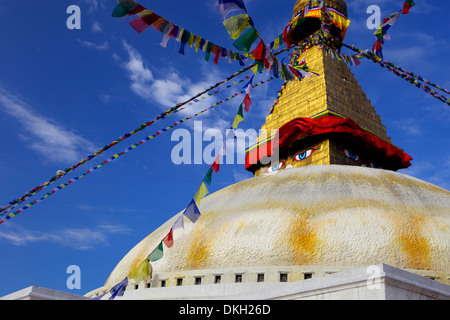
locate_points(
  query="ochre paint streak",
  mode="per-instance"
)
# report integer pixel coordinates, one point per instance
(414, 245)
(303, 240)
(198, 251)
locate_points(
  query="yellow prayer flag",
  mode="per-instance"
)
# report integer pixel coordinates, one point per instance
(142, 272)
(237, 120)
(201, 193)
(236, 25)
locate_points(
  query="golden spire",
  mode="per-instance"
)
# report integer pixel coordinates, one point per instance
(339, 5)
(333, 93)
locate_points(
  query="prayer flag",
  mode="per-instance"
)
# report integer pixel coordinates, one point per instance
(239, 118)
(168, 240)
(201, 193)
(157, 254)
(125, 7)
(245, 41)
(237, 24)
(166, 36)
(247, 102)
(142, 272)
(119, 289)
(192, 212)
(142, 23)
(179, 223)
(226, 6)
(259, 51)
(216, 164)
(208, 177)
(408, 4)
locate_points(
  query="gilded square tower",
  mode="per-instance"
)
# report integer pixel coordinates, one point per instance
(335, 122)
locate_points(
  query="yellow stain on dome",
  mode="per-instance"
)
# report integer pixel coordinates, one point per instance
(303, 240)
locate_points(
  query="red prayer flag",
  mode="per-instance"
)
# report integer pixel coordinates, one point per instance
(168, 240)
(247, 103)
(406, 8)
(216, 164)
(142, 23)
(258, 53)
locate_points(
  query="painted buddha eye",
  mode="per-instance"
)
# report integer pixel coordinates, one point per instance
(351, 155)
(276, 167)
(305, 154)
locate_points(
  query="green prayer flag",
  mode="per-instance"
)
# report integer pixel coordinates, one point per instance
(208, 177)
(245, 41)
(239, 118)
(237, 24)
(157, 253)
(208, 48)
(119, 11)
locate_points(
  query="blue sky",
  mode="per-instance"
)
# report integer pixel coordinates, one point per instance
(66, 93)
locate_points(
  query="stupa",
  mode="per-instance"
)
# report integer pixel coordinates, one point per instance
(334, 201)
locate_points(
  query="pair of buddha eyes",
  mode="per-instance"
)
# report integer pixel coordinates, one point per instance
(357, 158)
(298, 157)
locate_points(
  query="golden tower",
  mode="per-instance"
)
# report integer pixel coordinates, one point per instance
(334, 92)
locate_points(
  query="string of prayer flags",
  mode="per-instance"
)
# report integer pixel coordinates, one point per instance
(170, 30)
(241, 28)
(238, 22)
(192, 211)
(9, 215)
(14, 203)
(414, 81)
(418, 77)
(381, 32)
(400, 72)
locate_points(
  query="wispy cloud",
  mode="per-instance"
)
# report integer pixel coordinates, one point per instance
(96, 28)
(43, 135)
(98, 47)
(79, 239)
(408, 126)
(163, 85)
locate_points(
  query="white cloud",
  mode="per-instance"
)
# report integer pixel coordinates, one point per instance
(163, 85)
(408, 126)
(98, 47)
(80, 239)
(44, 135)
(96, 28)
